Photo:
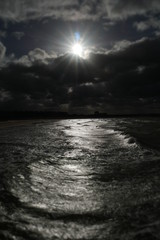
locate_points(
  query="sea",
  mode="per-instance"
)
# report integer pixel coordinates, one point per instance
(80, 179)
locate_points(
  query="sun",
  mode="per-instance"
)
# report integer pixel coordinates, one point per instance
(77, 49)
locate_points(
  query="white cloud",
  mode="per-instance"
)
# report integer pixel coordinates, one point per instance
(121, 45)
(2, 51)
(149, 23)
(4, 95)
(3, 34)
(157, 33)
(36, 55)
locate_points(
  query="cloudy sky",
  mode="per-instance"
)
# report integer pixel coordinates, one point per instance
(116, 68)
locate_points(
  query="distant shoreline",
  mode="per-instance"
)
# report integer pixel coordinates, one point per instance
(29, 115)
(16, 123)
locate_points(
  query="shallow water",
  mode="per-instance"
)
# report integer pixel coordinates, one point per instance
(78, 179)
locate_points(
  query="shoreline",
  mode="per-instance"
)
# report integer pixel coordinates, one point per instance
(17, 123)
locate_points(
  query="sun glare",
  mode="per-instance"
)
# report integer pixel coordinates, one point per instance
(77, 49)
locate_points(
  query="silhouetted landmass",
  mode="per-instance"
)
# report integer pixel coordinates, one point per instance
(19, 115)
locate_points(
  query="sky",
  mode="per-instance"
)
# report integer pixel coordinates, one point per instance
(117, 70)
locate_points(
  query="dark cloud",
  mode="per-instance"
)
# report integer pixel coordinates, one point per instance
(121, 73)
(25, 10)
(124, 79)
(125, 8)
(30, 10)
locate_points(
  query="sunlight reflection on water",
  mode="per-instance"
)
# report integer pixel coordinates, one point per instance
(74, 168)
